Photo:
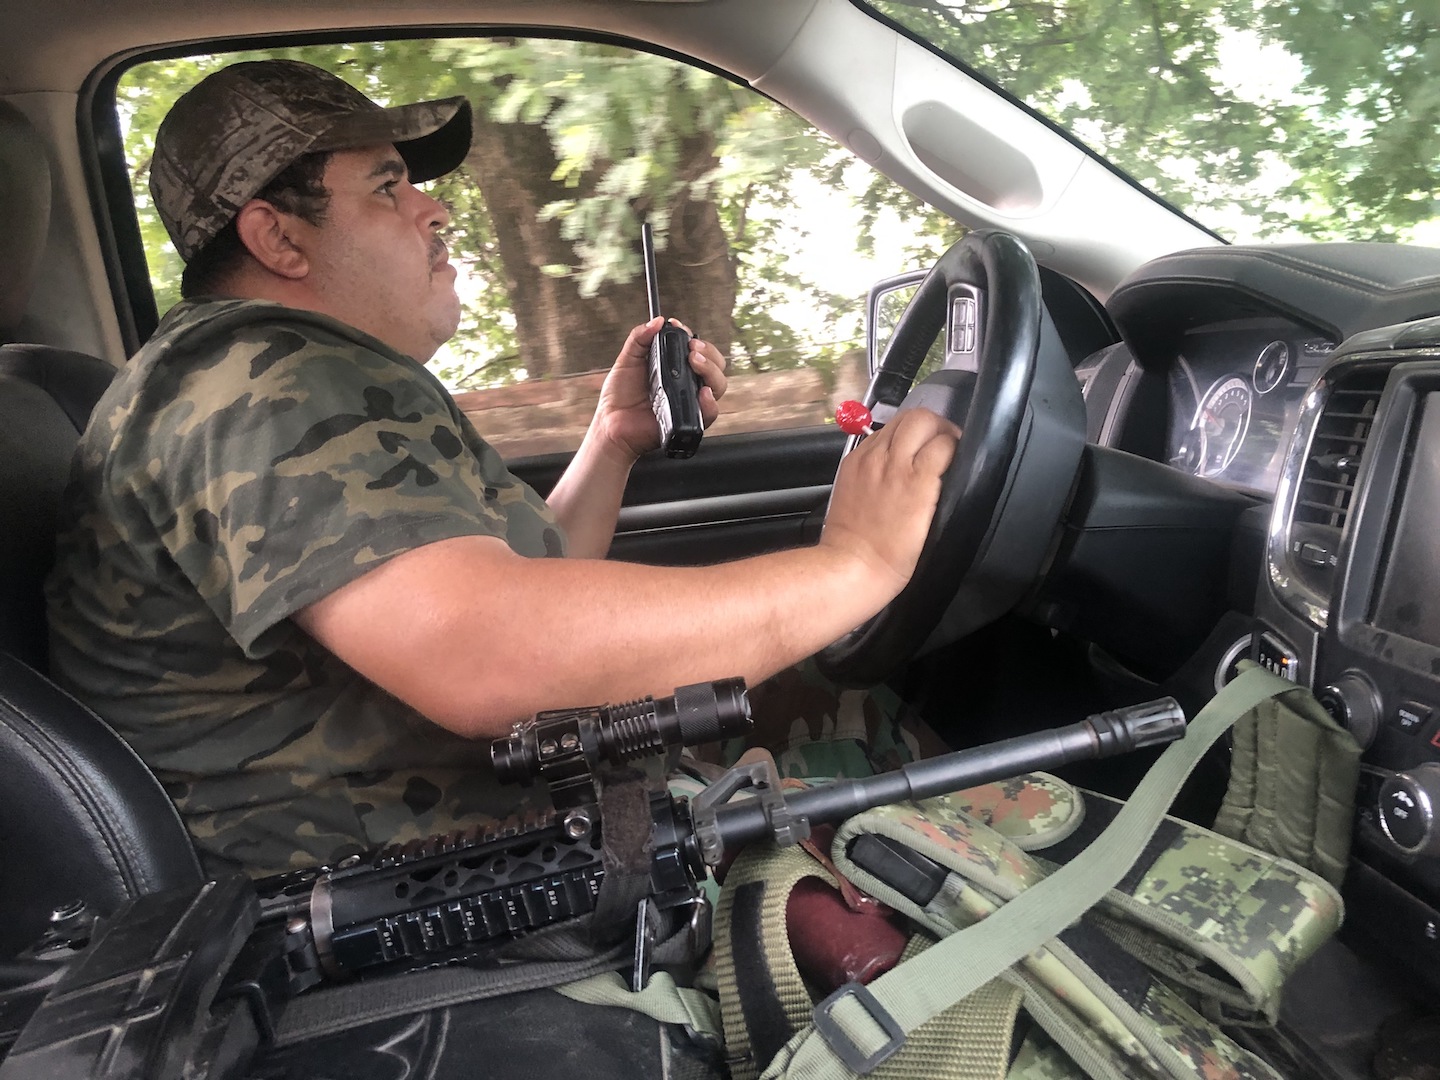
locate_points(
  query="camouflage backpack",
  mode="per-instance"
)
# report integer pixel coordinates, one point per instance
(1105, 939)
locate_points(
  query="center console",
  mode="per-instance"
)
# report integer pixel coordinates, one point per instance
(1350, 606)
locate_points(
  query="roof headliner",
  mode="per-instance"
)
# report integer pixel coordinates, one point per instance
(55, 46)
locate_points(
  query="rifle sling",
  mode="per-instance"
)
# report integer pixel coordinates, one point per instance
(336, 1009)
(858, 1027)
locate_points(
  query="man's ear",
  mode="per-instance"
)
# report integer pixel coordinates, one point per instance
(266, 234)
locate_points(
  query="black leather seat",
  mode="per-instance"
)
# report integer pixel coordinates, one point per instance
(81, 817)
(45, 400)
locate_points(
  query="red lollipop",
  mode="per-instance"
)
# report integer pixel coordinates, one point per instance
(854, 418)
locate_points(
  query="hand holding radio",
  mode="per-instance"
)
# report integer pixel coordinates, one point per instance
(628, 399)
(674, 385)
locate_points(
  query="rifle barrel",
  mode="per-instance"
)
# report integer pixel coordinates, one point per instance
(1101, 735)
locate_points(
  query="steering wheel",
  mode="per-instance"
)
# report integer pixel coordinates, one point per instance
(997, 271)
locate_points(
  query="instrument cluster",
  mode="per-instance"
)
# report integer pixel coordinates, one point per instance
(1235, 392)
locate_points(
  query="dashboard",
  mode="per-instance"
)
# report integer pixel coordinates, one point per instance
(1308, 378)
(1349, 607)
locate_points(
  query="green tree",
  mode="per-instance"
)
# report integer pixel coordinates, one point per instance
(575, 144)
(1346, 149)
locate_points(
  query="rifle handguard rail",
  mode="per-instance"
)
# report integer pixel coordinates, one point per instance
(453, 897)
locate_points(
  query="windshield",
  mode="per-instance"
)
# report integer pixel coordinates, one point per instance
(1306, 120)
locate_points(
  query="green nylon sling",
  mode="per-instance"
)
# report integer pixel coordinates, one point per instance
(858, 1027)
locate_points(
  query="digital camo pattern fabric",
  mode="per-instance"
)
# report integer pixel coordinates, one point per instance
(1184, 1043)
(1032, 810)
(943, 828)
(819, 730)
(247, 462)
(1040, 1059)
(1200, 1044)
(1251, 912)
(1248, 913)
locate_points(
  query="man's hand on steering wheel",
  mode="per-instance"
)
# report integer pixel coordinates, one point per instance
(995, 508)
(885, 495)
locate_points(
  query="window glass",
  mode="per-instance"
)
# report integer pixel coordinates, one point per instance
(768, 233)
(1269, 120)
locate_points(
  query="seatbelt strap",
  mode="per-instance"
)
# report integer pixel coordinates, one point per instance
(340, 1008)
(857, 1027)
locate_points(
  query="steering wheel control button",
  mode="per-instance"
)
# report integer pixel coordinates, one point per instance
(1411, 716)
(1354, 702)
(853, 418)
(1407, 809)
(964, 328)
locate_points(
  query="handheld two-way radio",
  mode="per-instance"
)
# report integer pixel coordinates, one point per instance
(674, 386)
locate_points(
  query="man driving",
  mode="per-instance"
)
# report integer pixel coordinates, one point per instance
(292, 575)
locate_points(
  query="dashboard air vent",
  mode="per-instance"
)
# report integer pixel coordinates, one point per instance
(1327, 482)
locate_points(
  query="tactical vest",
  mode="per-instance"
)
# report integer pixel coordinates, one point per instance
(1195, 930)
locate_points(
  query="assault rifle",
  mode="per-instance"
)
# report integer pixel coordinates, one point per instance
(457, 897)
(188, 983)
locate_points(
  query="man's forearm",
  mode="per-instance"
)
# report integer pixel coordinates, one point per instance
(586, 499)
(532, 634)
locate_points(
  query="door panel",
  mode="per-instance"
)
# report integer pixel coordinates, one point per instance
(739, 495)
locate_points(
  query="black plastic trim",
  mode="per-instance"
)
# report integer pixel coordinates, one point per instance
(753, 461)
(1143, 565)
(723, 509)
(1337, 288)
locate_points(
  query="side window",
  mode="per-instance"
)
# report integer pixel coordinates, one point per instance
(768, 232)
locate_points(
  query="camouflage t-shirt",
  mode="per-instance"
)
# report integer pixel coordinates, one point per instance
(247, 462)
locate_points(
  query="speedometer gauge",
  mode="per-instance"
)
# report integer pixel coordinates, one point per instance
(1219, 426)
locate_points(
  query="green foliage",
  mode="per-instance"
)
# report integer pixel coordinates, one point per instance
(618, 122)
(1314, 116)
(1342, 142)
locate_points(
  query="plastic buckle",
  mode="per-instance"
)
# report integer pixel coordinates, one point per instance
(838, 1041)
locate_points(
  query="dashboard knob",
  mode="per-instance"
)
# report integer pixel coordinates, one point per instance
(1407, 806)
(1354, 702)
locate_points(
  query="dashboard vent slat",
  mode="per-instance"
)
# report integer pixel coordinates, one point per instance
(1333, 485)
(1345, 416)
(1327, 480)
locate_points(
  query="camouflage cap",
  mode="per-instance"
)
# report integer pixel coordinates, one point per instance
(237, 129)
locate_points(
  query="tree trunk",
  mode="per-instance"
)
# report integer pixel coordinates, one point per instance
(559, 331)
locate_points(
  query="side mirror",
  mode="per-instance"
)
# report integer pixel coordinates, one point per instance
(884, 304)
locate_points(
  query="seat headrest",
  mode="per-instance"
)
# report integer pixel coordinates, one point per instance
(24, 214)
